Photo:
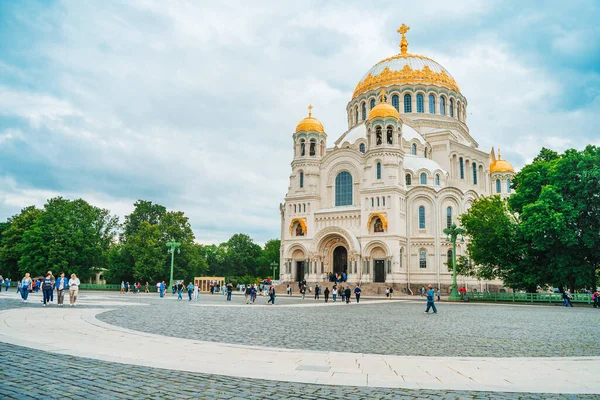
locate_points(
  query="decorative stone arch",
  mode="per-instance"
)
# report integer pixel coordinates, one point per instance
(291, 249)
(351, 240)
(302, 223)
(374, 244)
(381, 217)
(343, 166)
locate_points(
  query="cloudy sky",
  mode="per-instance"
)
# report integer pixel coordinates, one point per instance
(192, 104)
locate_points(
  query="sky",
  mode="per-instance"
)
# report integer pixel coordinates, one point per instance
(192, 104)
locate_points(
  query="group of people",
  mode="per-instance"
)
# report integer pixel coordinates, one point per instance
(251, 292)
(48, 285)
(337, 278)
(135, 287)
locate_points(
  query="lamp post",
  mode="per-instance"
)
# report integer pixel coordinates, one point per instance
(452, 234)
(172, 246)
(273, 265)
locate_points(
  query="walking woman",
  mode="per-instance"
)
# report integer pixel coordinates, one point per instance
(25, 286)
(334, 293)
(47, 288)
(271, 295)
(73, 289)
(196, 292)
(61, 286)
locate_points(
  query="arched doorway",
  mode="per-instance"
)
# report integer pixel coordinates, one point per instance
(299, 263)
(340, 260)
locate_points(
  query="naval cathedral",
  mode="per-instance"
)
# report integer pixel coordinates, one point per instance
(374, 203)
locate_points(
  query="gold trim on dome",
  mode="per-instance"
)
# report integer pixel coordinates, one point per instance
(499, 165)
(383, 109)
(310, 123)
(406, 75)
(302, 223)
(383, 220)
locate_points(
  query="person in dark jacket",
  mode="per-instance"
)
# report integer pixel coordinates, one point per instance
(180, 287)
(271, 295)
(347, 293)
(357, 292)
(48, 288)
(326, 293)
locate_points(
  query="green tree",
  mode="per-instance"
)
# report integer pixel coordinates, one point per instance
(11, 240)
(242, 254)
(270, 254)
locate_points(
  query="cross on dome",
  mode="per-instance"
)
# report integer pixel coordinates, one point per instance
(403, 43)
(382, 93)
(310, 107)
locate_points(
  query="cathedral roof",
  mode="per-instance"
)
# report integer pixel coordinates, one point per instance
(310, 123)
(405, 68)
(409, 133)
(416, 164)
(499, 165)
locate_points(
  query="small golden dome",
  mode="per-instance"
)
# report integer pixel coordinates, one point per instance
(309, 123)
(383, 109)
(500, 165)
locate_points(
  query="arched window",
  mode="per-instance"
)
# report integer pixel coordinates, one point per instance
(343, 189)
(322, 148)
(361, 147)
(425, 152)
(390, 135)
(431, 104)
(304, 207)
(420, 103)
(452, 107)
(378, 136)
(421, 217)
(372, 202)
(294, 208)
(508, 186)
(474, 174)
(422, 258)
(364, 110)
(413, 149)
(302, 147)
(383, 201)
(458, 110)
(301, 179)
(377, 201)
(408, 180)
(372, 103)
(378, 170)
(356, 115)
(423, 178)
(461, 165)
(396, 102)
(437, 179)
(498, 186)
(407, 103)
(313, 148)
(448, 217)
(442, 105)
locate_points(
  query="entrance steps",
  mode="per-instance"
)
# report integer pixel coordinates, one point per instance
(368, 289)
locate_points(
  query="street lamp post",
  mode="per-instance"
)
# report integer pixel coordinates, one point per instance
(452, 234)
(172, 246)
(273, 265)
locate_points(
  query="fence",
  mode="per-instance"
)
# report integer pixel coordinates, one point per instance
(527, 297)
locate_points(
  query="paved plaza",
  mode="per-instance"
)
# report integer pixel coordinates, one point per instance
(140, 346)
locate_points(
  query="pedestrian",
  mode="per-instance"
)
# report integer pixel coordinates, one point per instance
(430, 300)
(161, 289)
(347, 293)
(174, 288)
(567, 297)
(287, 289)
(196, 292)
(147, 288)
(439, 295)
(122, 287)
(73, 289)
(391, 292)
(229, 291)
(180, 288)
(357, 292)
(126, 287)
(253, 294)
(334, 294)
(326, 293)
(7, 284)
(52, 291)
(47, 288)
(387, 292)
(316, 292)
(271, 295)
(61, 285)
(25, 286)
(343, 293)
(303, 291)
(190, 290)
(247, 294)
(595, 299)
(134, 288)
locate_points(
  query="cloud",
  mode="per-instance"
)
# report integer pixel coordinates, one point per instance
(192, 104)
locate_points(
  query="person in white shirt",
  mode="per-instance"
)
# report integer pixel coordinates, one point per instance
(73, 289)
(196, 292)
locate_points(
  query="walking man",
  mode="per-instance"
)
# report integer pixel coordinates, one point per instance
(61, 286)
(271, 295)
(430, 300)
(161, 289)
(179, 290)
(357, 292)
(229, 291)
(326, 293)
(247, 293)
(347, 293)
(190, 289)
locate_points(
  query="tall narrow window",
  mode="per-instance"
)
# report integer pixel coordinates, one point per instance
(390, 135)
(448, 217)
(498, 186)
(378, 170)
(508, 186)
(378, 136)
(461, 165)
(301, 179)
(383, 201)
(421, 217)
(452, 107)
(414, 149)
(437, 179)
(372, 202)
(302, 147)
(313, 147)
(361, 147)
(377, 201)
(407, 103)
(408, 180)
(431, 104)
(372, 103)
(420, 103)
(356, 115)
(364, 111)
(425, 152)
(343, 189)
(422, 258)
(442, 105)
(474, 174)
(396, 102)
(423, 178)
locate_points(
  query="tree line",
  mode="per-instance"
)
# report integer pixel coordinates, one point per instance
(547, 232)
(77, 237)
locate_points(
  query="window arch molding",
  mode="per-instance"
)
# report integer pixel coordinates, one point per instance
(344, 189)
(372, 103)
(422, 258)
(423, 178)
(339, 167)
(431, 102)
(443, 105)
(363, 110)
(413, 149)
(407, 102)
(301, 179)
(421, 102)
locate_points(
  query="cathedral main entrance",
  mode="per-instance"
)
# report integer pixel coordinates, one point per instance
(299, 271)
(340, 260)
(379, 271)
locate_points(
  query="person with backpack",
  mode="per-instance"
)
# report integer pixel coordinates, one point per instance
(47, 287)
(61, 285)
(430, 300)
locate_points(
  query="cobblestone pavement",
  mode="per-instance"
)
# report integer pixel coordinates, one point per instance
(398, 328)
(29, 374)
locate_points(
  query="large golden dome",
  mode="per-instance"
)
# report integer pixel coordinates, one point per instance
(383, 109)
(499, 165)
(405, 68)
(310, 123)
